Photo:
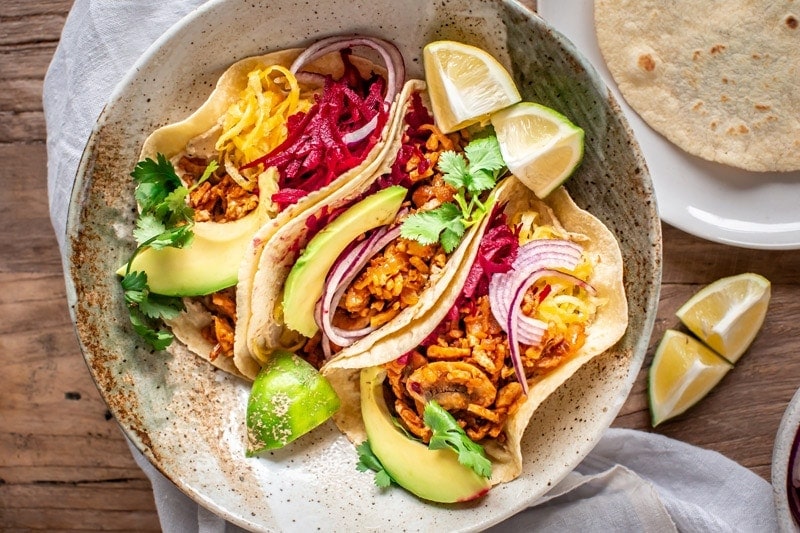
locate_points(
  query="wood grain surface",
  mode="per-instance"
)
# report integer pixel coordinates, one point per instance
(64, 464)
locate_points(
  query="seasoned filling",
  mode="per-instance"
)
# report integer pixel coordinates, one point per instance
(392, 281)
(219, 198)
(466, 368)
(396, 276)
(222, 306)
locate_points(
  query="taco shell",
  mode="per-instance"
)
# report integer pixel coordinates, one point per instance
(200, 131)
(265, 329)
(609, 324)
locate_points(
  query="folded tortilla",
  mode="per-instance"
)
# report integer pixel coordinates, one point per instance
(604, 330)
(266, 331)
(200, 131)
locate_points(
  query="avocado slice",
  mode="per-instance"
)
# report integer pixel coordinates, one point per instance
(211, 262)
(306, 281)
(434, 475)
(289, 398)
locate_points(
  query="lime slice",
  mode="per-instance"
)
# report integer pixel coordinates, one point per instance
(682, 373)
(289, 398)
(728, 313)
(540, 146)
(466, 84)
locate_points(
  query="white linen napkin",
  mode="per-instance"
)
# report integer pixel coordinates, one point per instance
(632, 480)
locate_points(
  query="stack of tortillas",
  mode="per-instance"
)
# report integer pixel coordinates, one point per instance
(721, 80)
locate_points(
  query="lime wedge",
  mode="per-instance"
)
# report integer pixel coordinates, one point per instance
(540, 146)
(682, 373)
(728, 313)
(466, 84)
(288, 399)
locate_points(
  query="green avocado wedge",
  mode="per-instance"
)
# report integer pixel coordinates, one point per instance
(288, 399)
(211, 262)
(306, 280)
(434, 475)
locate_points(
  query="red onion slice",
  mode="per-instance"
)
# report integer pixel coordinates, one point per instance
(390, 54)
(534, 260)
(361, 133)
(341, 275)
(544, 253)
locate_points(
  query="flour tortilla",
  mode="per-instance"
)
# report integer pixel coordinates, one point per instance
(201, 129)
(607, 328)
(718, 79)
(266, 331)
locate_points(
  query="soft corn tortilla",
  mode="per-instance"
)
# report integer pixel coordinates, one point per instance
(718, 79)
(608, 326)
(266, 331)
(202, 128)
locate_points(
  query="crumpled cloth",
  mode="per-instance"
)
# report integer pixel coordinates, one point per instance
(631, 481)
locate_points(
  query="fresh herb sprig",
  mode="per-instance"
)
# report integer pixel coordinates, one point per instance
(448, 434)
(471, 175)
(165, 220)
(367, 460)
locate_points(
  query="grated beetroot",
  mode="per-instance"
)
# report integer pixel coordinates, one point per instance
(413, 141)
(496, 253)
(314, 153)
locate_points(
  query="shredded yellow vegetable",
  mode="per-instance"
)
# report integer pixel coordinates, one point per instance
(566, 303)
(256, 124)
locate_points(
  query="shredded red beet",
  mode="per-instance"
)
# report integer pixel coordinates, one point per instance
(314, 153)
(496, 253)
(414, 140)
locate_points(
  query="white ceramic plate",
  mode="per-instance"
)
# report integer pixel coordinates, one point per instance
(188, 419)
(790, 423)
(709, 200)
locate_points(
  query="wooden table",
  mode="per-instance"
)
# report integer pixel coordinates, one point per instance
(64, 464)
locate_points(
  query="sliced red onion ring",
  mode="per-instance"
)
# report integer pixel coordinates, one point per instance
(310, 78)
(361, 133)
(544, 253)
(506, 292)
(392, 58)
(341, 275)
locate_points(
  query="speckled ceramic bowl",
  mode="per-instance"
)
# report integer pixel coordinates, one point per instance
(189, 419)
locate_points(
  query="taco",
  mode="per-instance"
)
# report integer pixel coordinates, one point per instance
(279, 133)
(540, 294)
(368, 280)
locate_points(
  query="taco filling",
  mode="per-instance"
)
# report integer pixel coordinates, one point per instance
(384, 273)
(278, 129)
(522, 312)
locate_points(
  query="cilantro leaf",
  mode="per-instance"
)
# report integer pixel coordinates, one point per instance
(367, 460)
(427, 227)
(454, 167)
(484, 155)
(152, 305)
(160, 306)
(174, 210)
(450, 239)
(179, 237)
(471, 173)
(148, 227)
(159, 339)
(156, 180)
(448, 434)
(166, 220)
(210, 169)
